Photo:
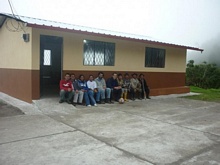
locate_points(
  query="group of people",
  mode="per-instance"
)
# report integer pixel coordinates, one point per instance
(98, 91)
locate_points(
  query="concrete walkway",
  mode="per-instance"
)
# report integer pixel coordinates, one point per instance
(163, 130)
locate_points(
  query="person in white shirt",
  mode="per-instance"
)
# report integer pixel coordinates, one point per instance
(92, 86)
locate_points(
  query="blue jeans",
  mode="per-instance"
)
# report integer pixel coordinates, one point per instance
(89, 97)
(103, 93)
(97, 96)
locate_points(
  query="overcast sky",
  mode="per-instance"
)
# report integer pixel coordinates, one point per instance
(186, 22)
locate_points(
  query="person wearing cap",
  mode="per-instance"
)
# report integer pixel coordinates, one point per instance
(135, 87)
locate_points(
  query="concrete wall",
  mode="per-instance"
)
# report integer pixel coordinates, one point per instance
(129, 56)
(15, 53)
(15, 64)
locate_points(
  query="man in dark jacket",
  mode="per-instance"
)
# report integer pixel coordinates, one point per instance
(78, 93)
(112, 83)
(145, 89)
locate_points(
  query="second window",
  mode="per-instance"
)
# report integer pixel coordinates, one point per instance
(99, 53)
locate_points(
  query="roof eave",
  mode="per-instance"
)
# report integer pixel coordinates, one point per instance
(12, 17)
(112, 36)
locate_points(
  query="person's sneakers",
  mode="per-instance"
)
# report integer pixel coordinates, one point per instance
(61, 101)
(89, 105)
(148, 98)
(98, 102)
(95, 105)
(74, 104)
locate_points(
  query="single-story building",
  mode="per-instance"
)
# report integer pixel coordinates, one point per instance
(36, 53)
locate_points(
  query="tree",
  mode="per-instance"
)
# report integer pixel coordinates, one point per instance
(203, 75)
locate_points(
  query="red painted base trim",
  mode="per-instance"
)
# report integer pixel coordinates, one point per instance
(20, 83)
(25, 84)
(167, 91)
(155, 80)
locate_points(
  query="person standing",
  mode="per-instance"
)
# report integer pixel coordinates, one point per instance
(104, 92)
(78, 93)
(145, 89)
(135, 87)
(66, 89)
(112, 83)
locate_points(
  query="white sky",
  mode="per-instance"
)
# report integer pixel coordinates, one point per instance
(187, 22)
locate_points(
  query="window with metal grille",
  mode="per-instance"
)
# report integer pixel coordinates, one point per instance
(47, 57)
(99, 53)
(155, 57)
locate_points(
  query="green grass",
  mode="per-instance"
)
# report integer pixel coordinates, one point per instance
(205, 94)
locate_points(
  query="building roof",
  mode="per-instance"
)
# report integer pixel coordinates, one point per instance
(53, 25)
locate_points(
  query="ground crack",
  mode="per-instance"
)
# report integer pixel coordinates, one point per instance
(37, 137)
(172, 124)
(108, 144)
(182, 160)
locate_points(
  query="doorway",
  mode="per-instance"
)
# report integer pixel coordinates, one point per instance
(50, 65)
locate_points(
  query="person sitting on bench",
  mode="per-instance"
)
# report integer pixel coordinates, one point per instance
(112, 83)
(66, 89)
(135, 87)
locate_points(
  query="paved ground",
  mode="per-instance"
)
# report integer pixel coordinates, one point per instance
(163, 130)
(9, 110)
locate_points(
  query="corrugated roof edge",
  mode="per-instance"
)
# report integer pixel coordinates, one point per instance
(53, 25)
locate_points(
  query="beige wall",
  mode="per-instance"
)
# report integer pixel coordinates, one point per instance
(129, 56)
(35, 50)
(175, 60)
(14, 52)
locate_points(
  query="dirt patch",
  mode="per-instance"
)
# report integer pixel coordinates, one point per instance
(9, 110)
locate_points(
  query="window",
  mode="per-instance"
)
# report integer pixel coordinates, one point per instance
(155, 57)
(99, 53)
(47, 57)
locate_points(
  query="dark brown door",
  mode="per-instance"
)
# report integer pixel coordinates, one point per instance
(50, 64)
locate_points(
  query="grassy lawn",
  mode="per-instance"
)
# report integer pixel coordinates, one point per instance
(206, 94)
